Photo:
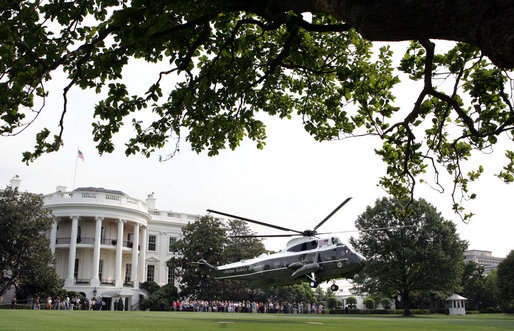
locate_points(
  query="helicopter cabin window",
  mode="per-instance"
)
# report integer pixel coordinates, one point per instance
(306, 246)
(323, 242)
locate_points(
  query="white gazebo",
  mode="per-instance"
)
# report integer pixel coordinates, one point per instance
(457, 305)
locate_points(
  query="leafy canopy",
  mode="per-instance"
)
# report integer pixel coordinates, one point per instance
(231, 60)
(408, 252)
(25, 258)
(209, 239)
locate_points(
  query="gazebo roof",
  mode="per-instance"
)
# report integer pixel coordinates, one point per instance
(456, 297)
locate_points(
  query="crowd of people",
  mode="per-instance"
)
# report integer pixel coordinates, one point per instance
(75, 303)
(245, 307)
(67, 303)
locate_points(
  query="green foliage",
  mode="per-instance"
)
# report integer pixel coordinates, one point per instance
(231, 60)
(289, 294)
(386, 303)
(25, 258)
(150, 287)
(480, 290)
(203, 239)
(369, 303)
(505, 281)
(411, 250)
(351, 302)
(332, 303)
(208, 238)
(167, 294)
(120, 304)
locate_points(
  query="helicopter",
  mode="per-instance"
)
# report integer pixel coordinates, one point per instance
(309, 258)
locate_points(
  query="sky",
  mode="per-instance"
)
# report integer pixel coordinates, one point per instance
(294, 182)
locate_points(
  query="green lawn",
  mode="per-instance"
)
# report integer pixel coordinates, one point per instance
(97, 320)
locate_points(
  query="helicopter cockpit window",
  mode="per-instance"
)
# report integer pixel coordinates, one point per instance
(342, 251)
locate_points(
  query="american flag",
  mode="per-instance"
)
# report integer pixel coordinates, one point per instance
(81, 155)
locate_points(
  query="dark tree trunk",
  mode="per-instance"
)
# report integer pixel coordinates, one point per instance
(432, 303)
(486, 24)
(406, 303)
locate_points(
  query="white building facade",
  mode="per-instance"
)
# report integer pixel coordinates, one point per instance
(107, 243)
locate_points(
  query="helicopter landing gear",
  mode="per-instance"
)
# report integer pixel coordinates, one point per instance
(334, 288)
(313, 283)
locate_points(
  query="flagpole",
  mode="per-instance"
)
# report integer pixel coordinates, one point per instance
(75, 172)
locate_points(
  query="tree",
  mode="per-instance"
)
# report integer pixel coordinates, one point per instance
(491, 292)
(407, 251)
(204, 238)
(232, 59)
(289, 294)
(25, 257)
(473, 286)
(239, 248)
(167, 293)
(505, 281)
(212, 240)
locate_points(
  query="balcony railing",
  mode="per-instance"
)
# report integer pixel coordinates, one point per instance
(80, 240)
(86, 240)
(91, 241)
(107, 282)
(111, 242)
(82, 281)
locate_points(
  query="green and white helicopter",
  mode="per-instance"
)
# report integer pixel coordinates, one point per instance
(314, 258)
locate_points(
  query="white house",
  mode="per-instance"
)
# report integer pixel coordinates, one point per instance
(106, 243)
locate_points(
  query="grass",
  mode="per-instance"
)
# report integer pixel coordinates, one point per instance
(110, 320)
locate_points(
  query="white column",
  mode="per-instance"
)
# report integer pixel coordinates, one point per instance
(142, 256)
(118, 281)
(70, 281)
(95, 281)
(135, 250)
(53, 236)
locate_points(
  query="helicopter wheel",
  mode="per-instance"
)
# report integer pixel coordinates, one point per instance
(334, 288)
(314, 284)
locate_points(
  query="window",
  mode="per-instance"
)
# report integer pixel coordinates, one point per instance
(173, 240)
(76, 270)
(128, 271)
(100, 269)
(171, 275)
(150, 271)
(151, 242)
(79, 235)
(102, 234)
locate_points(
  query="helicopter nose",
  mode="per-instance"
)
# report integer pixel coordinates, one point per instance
(358, 258)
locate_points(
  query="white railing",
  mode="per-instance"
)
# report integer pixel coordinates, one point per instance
(98, 198)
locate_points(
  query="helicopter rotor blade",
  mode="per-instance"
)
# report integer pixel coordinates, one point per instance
(254, 221)
(369, 230)
(267, 236)
(332, 213)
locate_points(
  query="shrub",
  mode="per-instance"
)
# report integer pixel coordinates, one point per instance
(386, 303)
(332, 303)
(351, 302)
(150, 287)
(369, 303)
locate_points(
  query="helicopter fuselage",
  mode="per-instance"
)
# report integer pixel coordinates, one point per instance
(305, 259)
